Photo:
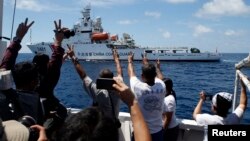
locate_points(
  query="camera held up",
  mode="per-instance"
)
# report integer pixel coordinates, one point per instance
(28, 121)
(67, 33)
(208, 97)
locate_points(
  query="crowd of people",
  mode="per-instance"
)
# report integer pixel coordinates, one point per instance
(29, 110)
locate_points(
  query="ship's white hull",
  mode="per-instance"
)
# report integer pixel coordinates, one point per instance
(102, 52)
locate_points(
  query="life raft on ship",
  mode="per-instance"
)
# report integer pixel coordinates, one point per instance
(100, 36)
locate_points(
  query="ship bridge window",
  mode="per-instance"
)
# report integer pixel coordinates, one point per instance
(161, 51)
(149, 51)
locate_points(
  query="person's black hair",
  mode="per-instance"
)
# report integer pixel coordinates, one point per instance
(106, 73)
(105, 130)
(24, 73)
(41, 61)
(149, 72)
(223, 106)
(169, 87)
(79, 125)
(87, 125)
(27, 121)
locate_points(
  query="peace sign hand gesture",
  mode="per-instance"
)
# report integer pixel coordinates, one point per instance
(23, 28)
(59, 33)
(70, 51)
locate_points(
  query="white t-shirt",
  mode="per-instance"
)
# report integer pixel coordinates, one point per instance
(150, 99)
(101, 96)
(170, 106)
(233, 118)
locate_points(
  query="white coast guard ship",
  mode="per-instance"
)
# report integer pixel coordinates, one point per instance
(92, 43)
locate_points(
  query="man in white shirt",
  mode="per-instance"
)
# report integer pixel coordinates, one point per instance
(221, 103)
(150, 94)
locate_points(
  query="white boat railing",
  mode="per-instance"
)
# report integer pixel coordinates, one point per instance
(245, 63)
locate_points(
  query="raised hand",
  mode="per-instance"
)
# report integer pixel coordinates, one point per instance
(117, 62)
(23, 28)
(158, 64)
(70, 51)
(202, 95)
(158, 69)
(115, 55)
(144, 58)
(59, 33)
(125, 93)
(131, 57)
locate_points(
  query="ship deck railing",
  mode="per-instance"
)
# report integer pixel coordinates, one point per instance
(245, 63)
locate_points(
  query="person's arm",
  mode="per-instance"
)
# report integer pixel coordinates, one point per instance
(243, 97)
(141, 131)
(81, 72)
(117, 62)
(131, 72)
(167, 119)
(158, 70)
(198, 108)
(54, 66)
(11, 52)
(144, 59)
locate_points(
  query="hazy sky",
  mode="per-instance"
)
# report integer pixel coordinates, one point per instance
(205, 24)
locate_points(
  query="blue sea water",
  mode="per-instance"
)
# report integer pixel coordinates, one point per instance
(189, 79)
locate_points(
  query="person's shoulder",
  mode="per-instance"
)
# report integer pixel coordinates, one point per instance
(170, 98)
(103, 93)
(206, 118)
(158, 80)
(87, 80)
(134, 78)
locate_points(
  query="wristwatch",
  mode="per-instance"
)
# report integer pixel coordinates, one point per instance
(17, 40)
